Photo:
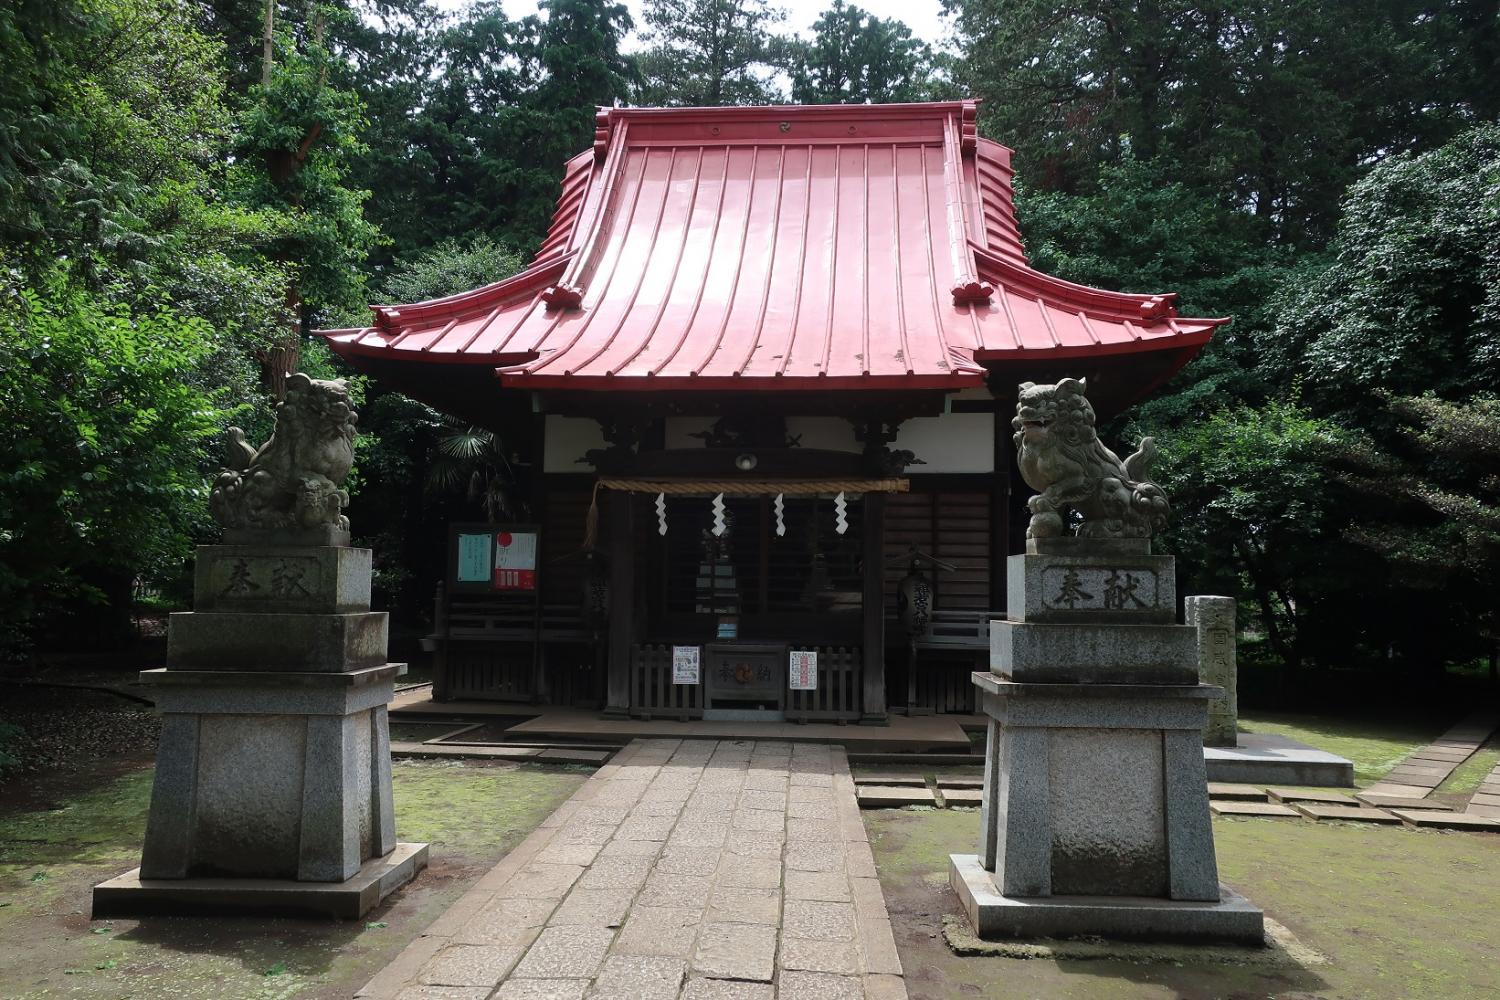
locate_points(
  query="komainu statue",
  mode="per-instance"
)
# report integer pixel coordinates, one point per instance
(1062, 458)
(294, 482)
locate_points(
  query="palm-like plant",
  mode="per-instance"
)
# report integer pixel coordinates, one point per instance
(472, 461)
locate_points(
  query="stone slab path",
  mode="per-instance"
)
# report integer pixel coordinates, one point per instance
(1425, 769)
(682, 870)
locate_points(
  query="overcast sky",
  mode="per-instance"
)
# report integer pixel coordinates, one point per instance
(924, 17)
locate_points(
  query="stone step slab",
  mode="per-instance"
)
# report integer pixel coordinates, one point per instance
(897, 780)
(892, 796)
(960, 783)
(1278, 794)
(962, 796)
(1236, 792)
(1221, 807)
(1440, 820)
(1383, 801)
(1358, 814)
(1397, 788)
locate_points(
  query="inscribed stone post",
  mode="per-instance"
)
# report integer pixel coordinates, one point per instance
(1213, 617)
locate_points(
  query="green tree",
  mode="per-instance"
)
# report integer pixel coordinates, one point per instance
(1282, 104)
(516, 101)
(1251, 507)
(292, 159)
(111, 419)
(857, 58)
(709, 53)
(1409, 299)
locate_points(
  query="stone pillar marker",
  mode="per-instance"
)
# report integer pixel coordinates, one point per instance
(1094, 817)
(273, 776)
(1213, 617)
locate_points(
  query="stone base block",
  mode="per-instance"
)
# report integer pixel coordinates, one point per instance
(1231, 918)
(1087, 580)
(310, 579)
(129, 895)
(270, 775)
(1268, 759)
(238, 640)
(1087, 653)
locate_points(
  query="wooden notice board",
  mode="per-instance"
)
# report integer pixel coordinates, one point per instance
(494, 558)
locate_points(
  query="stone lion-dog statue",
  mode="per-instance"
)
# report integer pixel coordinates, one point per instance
(1062, 458)
(295, 480)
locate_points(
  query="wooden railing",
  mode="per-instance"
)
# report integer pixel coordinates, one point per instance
(652, 692)
(956, 644)
(838, 696)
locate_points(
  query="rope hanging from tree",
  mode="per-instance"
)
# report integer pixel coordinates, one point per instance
(730, 487)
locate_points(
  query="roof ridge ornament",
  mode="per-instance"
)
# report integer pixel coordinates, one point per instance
(562, 296)
(968, 128)
(1159, 307)
(602, 120)
(973, 293)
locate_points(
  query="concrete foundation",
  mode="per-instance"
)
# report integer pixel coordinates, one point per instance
(1268, 759)
(1230, 917)
(131, 895)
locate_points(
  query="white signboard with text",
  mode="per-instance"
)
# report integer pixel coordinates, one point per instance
(804, 675)
(685, 665)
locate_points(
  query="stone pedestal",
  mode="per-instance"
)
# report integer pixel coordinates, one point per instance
(274, 767)
(1213, 617)
(1095, 816)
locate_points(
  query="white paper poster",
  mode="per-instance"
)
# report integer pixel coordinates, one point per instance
(685, 665)
(804, 670)
(515, 560)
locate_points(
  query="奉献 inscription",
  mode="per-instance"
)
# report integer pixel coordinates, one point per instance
(1088, 588)
(264, 578)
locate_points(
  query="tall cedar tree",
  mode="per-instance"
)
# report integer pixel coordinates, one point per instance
(517, 100)
(300, 134)
(1280, 103)
(857, 58)
(709, 53)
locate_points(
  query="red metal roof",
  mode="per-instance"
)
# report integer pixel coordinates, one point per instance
(840, 246)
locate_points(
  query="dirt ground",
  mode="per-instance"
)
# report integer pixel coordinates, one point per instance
(1379, 912)
(64, 830)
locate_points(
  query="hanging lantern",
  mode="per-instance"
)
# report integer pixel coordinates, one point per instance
(914, 602)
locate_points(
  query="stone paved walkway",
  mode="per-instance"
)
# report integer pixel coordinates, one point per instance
(689, 869)
(1423, 770)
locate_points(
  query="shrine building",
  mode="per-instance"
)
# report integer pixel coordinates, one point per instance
(759, 380)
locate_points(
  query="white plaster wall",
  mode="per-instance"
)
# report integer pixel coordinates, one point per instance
(953, 442)
(566, 439)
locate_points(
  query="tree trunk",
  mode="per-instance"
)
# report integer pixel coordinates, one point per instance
(267, 48)
(1283, 649)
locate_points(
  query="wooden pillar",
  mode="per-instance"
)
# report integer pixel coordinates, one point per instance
(873, 607)
(1000, 512)
(618, 510)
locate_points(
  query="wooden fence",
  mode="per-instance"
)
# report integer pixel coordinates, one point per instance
(838, 696)
(652, 692)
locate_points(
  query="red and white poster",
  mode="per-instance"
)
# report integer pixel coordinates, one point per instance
(804, 670)
(515, 560)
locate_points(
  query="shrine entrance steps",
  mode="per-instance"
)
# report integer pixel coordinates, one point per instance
(682, 870)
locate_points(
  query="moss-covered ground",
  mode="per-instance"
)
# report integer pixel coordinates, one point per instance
(1375, 743)
(1467, 776)
(1395, 913)
(52, 853)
